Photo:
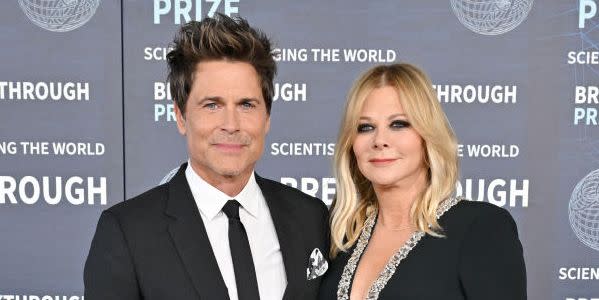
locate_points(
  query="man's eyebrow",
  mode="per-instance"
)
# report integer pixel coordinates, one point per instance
(212, 98)
(249, 99)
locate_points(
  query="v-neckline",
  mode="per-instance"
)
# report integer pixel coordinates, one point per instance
(349, 271)
(375, 215)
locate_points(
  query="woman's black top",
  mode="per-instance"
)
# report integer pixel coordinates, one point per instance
(479, 258)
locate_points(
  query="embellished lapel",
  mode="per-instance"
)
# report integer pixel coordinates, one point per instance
(191, 239)
(289, 236)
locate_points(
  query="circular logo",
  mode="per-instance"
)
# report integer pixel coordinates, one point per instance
(59, 15)
(584, 210)
(491, 17)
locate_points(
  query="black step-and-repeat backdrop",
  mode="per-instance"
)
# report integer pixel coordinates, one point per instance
(86, 119)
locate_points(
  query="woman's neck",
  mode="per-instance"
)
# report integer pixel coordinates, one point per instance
(395, 202)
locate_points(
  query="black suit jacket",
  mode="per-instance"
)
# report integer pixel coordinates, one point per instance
(155, 246)
(480, 258)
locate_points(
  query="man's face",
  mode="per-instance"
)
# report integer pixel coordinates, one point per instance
(225, 120)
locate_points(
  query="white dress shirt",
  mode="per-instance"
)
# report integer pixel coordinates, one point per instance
(255, 216)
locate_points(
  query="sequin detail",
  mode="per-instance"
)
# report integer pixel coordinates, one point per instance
(389, 269)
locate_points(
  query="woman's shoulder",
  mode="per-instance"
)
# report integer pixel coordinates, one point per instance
(472, 209)
(466, 213)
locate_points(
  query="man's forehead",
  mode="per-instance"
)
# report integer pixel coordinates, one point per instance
(224, 65)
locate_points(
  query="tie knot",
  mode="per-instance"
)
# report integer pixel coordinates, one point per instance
(231, 209)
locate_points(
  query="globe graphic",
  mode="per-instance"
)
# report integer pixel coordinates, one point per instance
(491, 17)
(59, 15)
(584, 210)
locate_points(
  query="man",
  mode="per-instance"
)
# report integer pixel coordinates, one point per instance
(216, 230)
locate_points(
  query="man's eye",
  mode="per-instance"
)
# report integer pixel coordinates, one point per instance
(365, 128)
(399, 124)
(247, 104)
(211, 105)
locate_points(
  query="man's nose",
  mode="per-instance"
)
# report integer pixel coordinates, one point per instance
(230, 120)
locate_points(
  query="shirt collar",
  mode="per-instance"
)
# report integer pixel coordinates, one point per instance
(210, 200)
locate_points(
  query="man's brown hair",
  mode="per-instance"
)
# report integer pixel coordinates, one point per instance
(219, 38)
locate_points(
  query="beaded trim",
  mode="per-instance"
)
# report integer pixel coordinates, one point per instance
(389, 269)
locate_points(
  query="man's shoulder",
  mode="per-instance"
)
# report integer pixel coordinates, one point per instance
(149, 202)
(293, 195)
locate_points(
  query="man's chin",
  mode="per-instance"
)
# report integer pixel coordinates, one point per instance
(228, 169)
(230, 174)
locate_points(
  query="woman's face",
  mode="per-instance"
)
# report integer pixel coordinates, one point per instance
(388, 150)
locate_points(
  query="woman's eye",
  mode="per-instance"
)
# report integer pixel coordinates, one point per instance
(365, 127)
(400, 124)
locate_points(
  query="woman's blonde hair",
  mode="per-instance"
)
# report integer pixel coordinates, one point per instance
(355, 199)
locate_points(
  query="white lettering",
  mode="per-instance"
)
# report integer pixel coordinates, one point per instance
(164, 112)
(8, 147)
(182, 9)
(162, 91)
(40, 91)
(369, 55)
(492, 151)
(287, 55)
(302, 149)
(76, 191)
(586, 95)
(583, 57)
(311, 186)
(476, 93)
(84, 149)
(325, 55)
(583, 14)
(8, 185)
(290, 92)
(578, 273)
(35, 189)
(35, 297)
(585, 115)
(157, 53)
(496, 191)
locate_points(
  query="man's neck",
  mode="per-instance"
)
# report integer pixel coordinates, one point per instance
(230, 185)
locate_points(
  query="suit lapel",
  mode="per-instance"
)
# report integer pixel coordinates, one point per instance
(191, 240)
(289, 236)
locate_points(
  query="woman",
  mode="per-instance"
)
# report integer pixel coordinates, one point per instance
(396, 230)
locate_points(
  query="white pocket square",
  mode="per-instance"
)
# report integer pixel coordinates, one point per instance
(317, 265)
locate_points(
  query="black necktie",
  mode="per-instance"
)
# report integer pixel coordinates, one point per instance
(245, 273)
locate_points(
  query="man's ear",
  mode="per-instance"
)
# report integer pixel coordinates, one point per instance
(267, 124)
(180, 120)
